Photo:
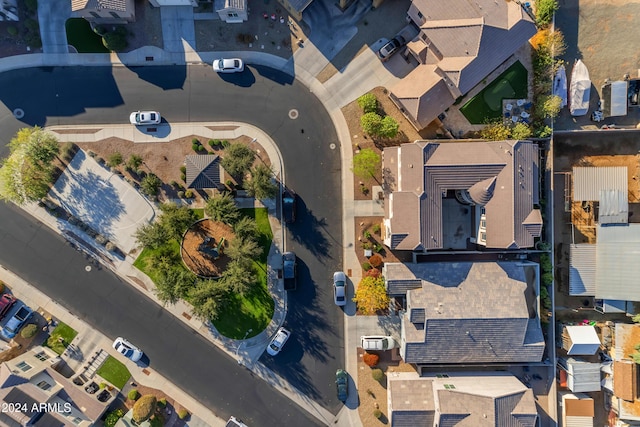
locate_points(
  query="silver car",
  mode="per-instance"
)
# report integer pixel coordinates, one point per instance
(376, 342)
(339, 288)
(145, 118)
(232, 65)
(127, 349)
(278, 341)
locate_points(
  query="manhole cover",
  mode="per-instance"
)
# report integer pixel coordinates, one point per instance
(293, 114)
(18, 113)
(332, 146)
(87, 268)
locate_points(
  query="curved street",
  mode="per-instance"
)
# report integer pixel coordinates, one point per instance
(311, 157)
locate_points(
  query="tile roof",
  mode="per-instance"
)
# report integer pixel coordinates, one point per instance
(437, 330)
(460, 400)
(419, 173)
(115, 5)
(624, 379)
(203, 171)
(472, 38)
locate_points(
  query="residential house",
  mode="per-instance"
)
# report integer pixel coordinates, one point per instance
(478, 399)
(104, 11)
(577, 410)
(460, 43)
(202, 171)
(624, 401)
(231, 11)
(582, 376)
(461, 195)
(47, 397)
(468, 312)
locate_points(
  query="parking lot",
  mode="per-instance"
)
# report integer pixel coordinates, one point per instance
(599, 32)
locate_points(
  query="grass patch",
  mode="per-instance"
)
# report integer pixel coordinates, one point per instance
(199, 213)
(486, 106)
(254, 310)
(115, 372)
(64, 331)
(81, 36)
(142, 262)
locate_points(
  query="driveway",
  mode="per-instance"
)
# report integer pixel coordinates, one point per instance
(52, 16)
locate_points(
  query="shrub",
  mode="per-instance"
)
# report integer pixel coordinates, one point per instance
(113, 417)
(66, 150)
(144, 408)
(183, 413)
(544, 11)
(212, 143)
(181, 194)
(371, 123)
(188, 194)
(162, 402)
(183, 177)
(115, 159)
(368, 102)
(376, 228)
(91, 153)
(377, 413)
(150, 185)
(133, 394)
(2, 286)
(375, 260)
(543, 132)
(183, 169)
(29, 331)
(195, 141)
(110, 246)
(174, 184)
(195, 147)
(520, 131)
(378, 247)
(549, 106)
(496, 131)
(377, 374)
(366, 266)
(367, 234)
(374, 272)
(388, 127)
(225, 143)
(12, 30)
(370, 359)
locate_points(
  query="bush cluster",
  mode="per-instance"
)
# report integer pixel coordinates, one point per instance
(377, 374)
(370, 359)
(375, 260)
(29, 331)
(133, 394)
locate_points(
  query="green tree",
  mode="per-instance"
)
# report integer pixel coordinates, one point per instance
(388, 127)
(371, 295)
(238, 159)
(371, 123)
(245, 227)
(495, 131)
(366, 163)
(134, 162)
(208, 297)
(239, 277)
(261, 185)
(544, 11)
(150, 184)
(152, 235)
(222, 208)
(173, 284)
(243, 249)
(520, 131)
(550, 106)
(176, 219)
(40, 147)
(115, 160)
(368, 102)
(163, 258)
(144, 408)
(113, 417)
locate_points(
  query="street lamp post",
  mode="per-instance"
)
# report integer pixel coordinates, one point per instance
(240, 345)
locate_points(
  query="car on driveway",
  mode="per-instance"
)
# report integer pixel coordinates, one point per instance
(230, 65)
(127, 349)
(288, 206)
(19, 316)
(342, 384)
(141, 118)
(377, 342)
(339, 288)
(6, 302)
(278, 341)
(391, 47)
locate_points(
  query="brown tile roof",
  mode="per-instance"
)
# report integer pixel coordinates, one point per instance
(415, 212)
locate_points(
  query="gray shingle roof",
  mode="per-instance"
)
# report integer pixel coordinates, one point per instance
(203, 171)
(473, 313)
(115, 5)
(428, 169)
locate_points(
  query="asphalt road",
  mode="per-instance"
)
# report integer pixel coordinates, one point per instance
(260, 96)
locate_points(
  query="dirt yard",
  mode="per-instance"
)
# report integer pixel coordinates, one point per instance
(368, 235)
(407, 133)
(196, 238)
(373, 394)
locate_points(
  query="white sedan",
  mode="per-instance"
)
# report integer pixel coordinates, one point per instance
(232, 65)
(339, 288)
(278, 341)
(145, 118)
(127, 349)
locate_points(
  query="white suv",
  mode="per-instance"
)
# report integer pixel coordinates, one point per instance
(377, 342)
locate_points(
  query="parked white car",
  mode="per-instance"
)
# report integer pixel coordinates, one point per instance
(139, 118)
(127, 349)
(339, 288)
(278, 341)
(377, 342)
(231, 65)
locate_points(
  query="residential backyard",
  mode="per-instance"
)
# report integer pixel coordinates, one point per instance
(486, 106)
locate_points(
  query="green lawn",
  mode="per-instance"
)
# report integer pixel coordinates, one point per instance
(81, 36)
(64, 331)
(199, 213)
(486, 106)
(114, 371)
(252, 311)
(255, 310)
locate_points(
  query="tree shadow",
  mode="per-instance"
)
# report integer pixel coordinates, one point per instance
(311, 232)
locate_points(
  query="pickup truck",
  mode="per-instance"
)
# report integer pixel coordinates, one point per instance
(288, 206)
(289, 267)
(16, 321)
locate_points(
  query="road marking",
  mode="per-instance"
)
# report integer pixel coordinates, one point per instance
(293, 114)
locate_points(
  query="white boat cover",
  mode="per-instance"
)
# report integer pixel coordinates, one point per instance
(560, 85)
(580, 89)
